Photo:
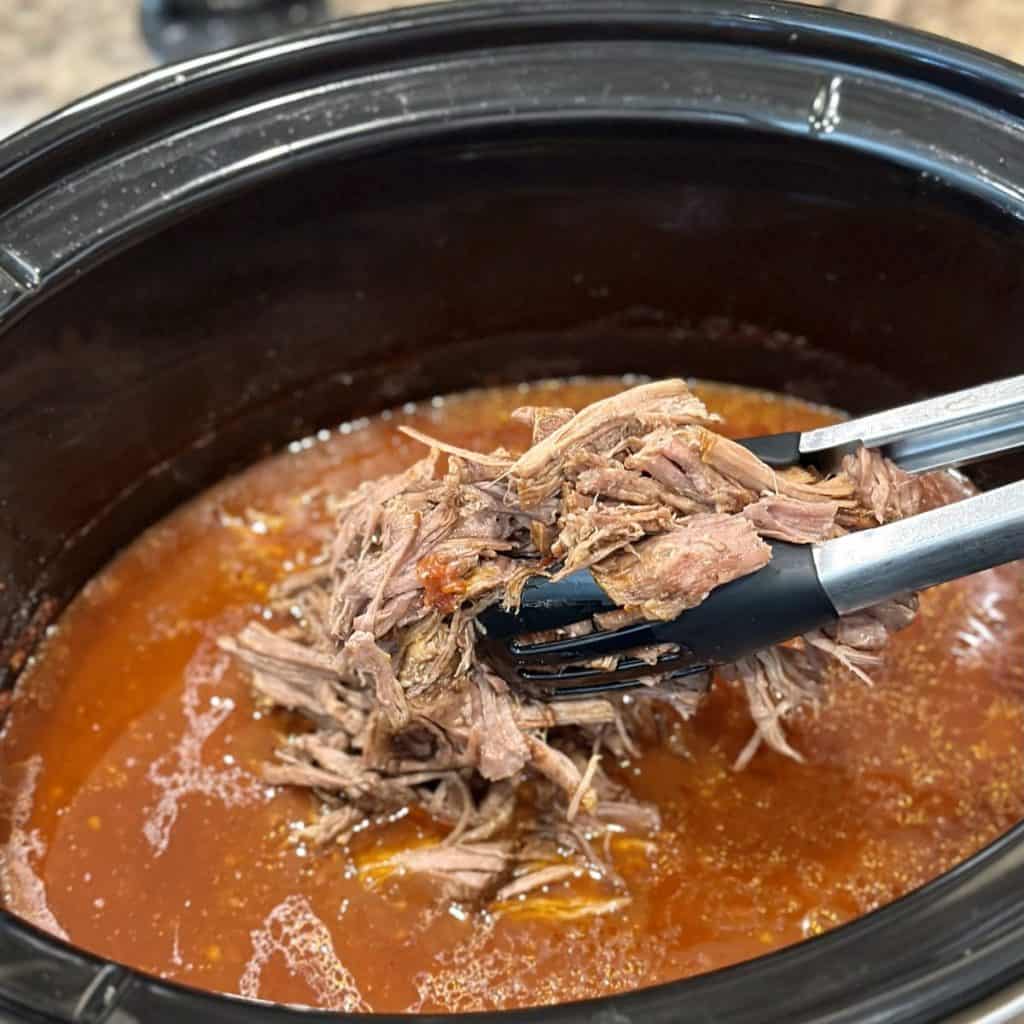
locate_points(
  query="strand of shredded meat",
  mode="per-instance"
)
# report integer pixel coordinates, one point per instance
(381, 655)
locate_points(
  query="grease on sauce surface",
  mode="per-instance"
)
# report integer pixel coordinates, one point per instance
(138, 825)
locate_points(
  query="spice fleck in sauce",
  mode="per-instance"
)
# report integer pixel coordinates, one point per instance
(138, 826)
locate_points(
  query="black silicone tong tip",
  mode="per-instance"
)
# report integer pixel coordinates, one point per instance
(776, 450)
(783, 599)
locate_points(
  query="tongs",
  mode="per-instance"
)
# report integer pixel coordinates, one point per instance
(804, 586)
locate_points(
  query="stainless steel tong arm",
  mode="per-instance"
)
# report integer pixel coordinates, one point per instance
(862, 569)
(951, 430)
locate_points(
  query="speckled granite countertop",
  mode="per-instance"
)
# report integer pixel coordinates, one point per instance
(52, 51)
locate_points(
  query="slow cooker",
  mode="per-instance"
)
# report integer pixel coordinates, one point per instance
(213, 258)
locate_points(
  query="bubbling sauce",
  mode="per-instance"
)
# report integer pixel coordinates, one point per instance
(137, 825)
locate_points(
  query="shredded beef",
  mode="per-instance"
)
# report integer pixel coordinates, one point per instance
(535, 878)
(677, 569)
(799, 522)
(380, 653)
(464, 869)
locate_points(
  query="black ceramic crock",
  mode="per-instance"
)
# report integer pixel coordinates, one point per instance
(216, 257)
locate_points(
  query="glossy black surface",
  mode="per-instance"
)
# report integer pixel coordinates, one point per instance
(202, 265)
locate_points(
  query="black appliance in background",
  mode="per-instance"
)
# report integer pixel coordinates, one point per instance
(182, 29)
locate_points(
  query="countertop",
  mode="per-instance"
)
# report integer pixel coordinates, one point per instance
(53, 51)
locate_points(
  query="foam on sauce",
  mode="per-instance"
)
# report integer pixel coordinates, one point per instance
(23, 890)
(181, 772)
(305, 943)
(137, 824)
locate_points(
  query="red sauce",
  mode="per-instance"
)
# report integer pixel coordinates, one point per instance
(443, 587)
(139, 827)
